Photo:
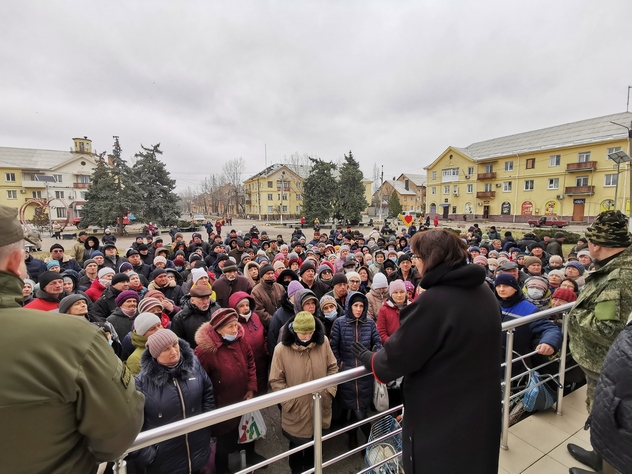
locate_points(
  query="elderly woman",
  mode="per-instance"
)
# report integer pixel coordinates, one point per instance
(302, 355)
(175, 387)
(27, 291)
(122, 318)
(448, 344)
(536, 290)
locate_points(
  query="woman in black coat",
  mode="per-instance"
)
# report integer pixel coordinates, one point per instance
(447, 350)
(175, 387)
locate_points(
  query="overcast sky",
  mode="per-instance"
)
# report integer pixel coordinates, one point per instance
(396, 82)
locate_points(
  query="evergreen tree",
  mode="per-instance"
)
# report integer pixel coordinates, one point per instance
(318, 191)
(112, 192)
(394, 205)
(155, 196)
(350, 200)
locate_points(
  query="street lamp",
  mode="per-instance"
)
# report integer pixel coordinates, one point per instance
(618, 157)
(620, 153)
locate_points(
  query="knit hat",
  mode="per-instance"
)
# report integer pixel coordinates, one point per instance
(404, 258)
(28, 281)
(474, 249)
(156, 272)
(555, 258)
(229, 268)
(324, 268)
(307, 265)
(160, 341)
(610, 229)
(576, 264)
(56, 246)
(531, 260)
(396, 285)
(480, 259)
(565, 294)
(379, 281)
(537, 282)
(179, 262)
(126, 295)
(105, 271)
(66, 303)
(198, 273)
(304, 323)
(160, 259)
(88, 262)
(125, 267)
(144, 322)
(351, 275)
(293, 287)
(52, 263)
(583, 252)
(223, 316)
(265, 269)
(147, 303)
(559, 235)
(326, 299)
(507, 279)
(46, 277)
(338, 278)
(119, 277)
(559, 273)
(200, 291)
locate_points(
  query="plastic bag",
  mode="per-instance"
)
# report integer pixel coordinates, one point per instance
(380, 396)
(537, 398)
(251, 427)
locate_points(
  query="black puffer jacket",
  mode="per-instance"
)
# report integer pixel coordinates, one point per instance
(189, 319)
(104, 306)
(611, 417)
(172, 395)
(279, 318)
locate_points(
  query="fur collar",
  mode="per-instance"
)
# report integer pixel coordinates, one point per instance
(288, 336)
(208, 340)
(159, 375)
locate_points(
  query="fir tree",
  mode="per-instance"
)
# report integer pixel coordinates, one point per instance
(350, 199)
(394, 205)
(318, 191)
(155, 196)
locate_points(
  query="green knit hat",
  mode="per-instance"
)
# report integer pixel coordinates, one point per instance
(304, 323)
(610, 229)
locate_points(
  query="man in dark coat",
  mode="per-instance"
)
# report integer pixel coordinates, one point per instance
(283, 314)
(554, 247)
(111, 258)
(134, 258)
(267, 294)
(105, 305)
(308, 280)
(169, 288)
(229, 283)
(34, 266)
(196, 310)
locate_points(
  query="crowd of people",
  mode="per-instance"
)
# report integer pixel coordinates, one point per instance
(208, 322)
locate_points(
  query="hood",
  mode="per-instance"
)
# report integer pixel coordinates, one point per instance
(288, 336)
(284, 273)
(300, 297)
(73, 275)
(208, 339)
(95, 243)
(236, 297)
(159, 375)
(354, 297)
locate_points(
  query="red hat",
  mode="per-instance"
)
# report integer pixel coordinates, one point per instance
(223, 316)
(565, 294)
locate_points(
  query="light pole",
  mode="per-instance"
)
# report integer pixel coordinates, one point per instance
(282, 195)
(625, 158)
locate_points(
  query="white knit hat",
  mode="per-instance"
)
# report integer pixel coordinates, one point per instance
(379, 281)
(198, 273)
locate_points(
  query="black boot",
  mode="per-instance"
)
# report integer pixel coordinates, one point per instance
(353, 439)
(589, 458)
(579, 470)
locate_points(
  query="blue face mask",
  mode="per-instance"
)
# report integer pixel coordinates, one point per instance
(111, 341)
(331, 315)
(230, 337)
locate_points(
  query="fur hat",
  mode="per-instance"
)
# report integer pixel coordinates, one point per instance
(160, 341)
(304, 323)
(223, 316)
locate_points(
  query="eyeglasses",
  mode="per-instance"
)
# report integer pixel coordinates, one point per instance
(414, 257)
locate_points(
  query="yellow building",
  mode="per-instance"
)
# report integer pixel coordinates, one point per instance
(410, 189)
(277, 191)
(59, 177)
(561, 171)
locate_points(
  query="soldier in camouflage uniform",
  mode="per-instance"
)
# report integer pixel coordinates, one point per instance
(602, 308)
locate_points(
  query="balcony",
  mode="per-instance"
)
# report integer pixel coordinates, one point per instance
(491, 175)
(33, 184)
(578, 190)
(81, 185)
(485, 194)
(584, 166)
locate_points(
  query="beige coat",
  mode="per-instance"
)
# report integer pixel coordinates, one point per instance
(375, 303)
(293, 365)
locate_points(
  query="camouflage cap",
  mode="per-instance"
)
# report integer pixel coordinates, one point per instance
(610, 229)
(11, 229)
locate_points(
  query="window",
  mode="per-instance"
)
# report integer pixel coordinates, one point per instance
(270, 208)
(83, 195)
(508, 165)
(284, 196)
(10, 177)
(434, 175)
(59, 194)
(488, 187)
(613, 150)
(450, 174)
(284, 208)
(583, 157)
(298, 208)
(269, 184)
(528, 185)
(12, 194)
(507, 186)
(433, 190)
(405, 198)
(530, 163)
(37, 194)
(455, 189)
(446, 190)
(453, 209)
(470, 188)
(554, 183)
(611, 180)
(279, 197)
(581, 181)
(83, 179)
(489, 168)
(555, 160)
(57, 177)
(298, 197)
(470, 170)
(61, 213)
(270, 197)
(298, 185)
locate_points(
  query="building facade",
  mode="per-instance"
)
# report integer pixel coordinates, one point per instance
(60, 179)
(410, 189)
(562, 171)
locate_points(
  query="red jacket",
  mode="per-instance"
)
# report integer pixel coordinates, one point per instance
(95, 291)
(387, 320)
(43, 305)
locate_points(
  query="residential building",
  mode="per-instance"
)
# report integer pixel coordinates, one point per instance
(411, 190)
(55, 179)
(561, 171)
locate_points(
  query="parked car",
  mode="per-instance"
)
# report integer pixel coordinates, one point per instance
(548, 222)
(199, 219)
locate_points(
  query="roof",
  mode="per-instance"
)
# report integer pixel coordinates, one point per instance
(300, 170)
(588, 131)
(30, 158)
(399, 188)
(417, 179)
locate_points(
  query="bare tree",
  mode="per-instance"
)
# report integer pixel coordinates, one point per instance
(376, 178)
(232, 172)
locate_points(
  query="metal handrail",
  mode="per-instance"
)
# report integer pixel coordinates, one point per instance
(179, 428)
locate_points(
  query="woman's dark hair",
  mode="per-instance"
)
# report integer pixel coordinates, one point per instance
(439, 246)
(575, 285)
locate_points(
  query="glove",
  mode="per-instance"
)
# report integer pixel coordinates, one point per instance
(362, 354)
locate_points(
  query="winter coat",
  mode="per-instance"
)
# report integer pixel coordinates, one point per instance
(66, 401)
(224, 288)
(357, 394)
(255, 335)
(171, 290)
(554, 247)
(189, 319)
(444, 350)
(413, 276)
(35, 267)
(105, 305)
(318, 288)
(267, 300)
(231, 367)
(121, 323)
(44, 301)
(293, 365)
(388, 319)
(280, 317)
(375, 303)
(133, 361)
(113, 262)
(172, 395)
(611, 416)
(95, 291)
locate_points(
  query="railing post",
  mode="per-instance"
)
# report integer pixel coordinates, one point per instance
(120, 466)
(562, 379)
(318, 434)
(504, 444)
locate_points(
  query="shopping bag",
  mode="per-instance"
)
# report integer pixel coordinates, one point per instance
(537, 398)
(251, 427)
(380, 396)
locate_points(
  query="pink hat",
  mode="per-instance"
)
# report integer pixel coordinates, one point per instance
(396, 285)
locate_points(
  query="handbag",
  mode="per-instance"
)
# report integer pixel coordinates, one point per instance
(251, 427)
(380, 396)
(537, 397)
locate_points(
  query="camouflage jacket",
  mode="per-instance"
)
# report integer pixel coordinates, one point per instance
(601, 311)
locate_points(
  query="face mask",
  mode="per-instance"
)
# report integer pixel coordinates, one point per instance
(331, 315)
(535, 293)
(246, 316)
(229, 337)
(111, 341)
(269, 282)
(393, 259)
(104, 282)
(179, 268)
(492, 267)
